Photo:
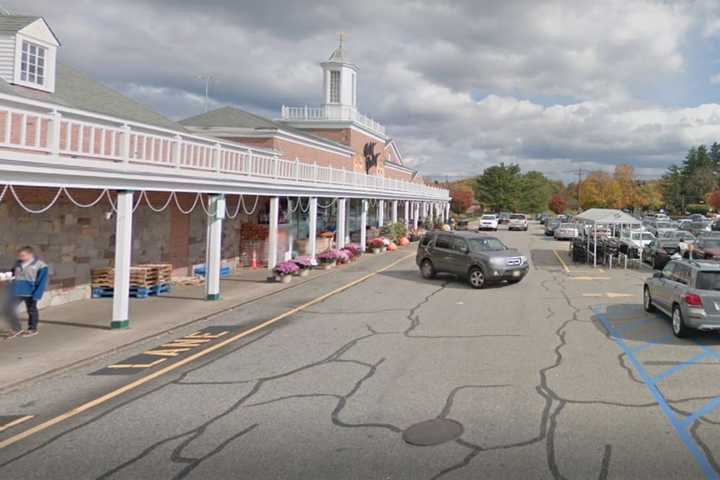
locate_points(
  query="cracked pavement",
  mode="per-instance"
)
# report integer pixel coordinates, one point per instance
(539, 385)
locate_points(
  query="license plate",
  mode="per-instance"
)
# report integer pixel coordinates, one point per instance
(516, 273)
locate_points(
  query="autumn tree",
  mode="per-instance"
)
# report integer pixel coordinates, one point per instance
(713, 199)
(557, 203)
(461, 200)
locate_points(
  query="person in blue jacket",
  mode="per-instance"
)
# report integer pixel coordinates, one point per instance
(28, 286)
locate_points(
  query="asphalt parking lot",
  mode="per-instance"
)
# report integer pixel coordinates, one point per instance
(560, 376)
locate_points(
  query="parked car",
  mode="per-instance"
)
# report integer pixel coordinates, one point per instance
(504, 218)
(462, 224)
(698, 227)
(657, 228)
(518, 221)
(478, 258)
(550, 227)
(706, 247)
(697, 217)
(660, 251)
(566, 231)
(638, 239)
(489, 222)
(689, 292)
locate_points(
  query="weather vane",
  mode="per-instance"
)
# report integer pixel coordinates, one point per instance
(341, 38)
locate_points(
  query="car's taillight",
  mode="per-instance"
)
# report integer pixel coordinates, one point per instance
(693, 300)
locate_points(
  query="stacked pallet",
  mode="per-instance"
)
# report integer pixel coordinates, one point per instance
(145, 281)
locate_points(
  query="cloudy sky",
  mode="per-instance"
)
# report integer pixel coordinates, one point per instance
(552, 85)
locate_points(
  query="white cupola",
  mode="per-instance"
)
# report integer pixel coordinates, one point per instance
(339, 79)
(28, 52)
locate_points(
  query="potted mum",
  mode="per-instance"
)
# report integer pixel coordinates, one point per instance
(377, 245)
(353, 249)
(328, 258)
(343, 257)
(285, 270)
(304, 264)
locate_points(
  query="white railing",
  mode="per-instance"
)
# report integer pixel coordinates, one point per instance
(331, 113)
(68, 133)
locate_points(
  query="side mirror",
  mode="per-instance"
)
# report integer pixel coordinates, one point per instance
(657, 275)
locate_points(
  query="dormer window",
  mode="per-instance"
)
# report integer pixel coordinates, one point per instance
(32, 63)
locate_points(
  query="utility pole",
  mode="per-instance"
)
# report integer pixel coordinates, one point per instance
(207, 78)
(579, 183)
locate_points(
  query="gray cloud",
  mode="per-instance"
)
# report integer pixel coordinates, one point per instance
(423, 67)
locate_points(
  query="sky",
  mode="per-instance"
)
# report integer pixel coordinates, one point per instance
(553, 86)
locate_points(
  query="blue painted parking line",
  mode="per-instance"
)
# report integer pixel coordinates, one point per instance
(680, 425)
(651, 343)
(681, 366)
(702, 411)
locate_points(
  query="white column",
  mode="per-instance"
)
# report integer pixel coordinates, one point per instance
(416, 214)
(213, 247)
(348, 213)
(431, 208)
(273, 232)
(381, 212)
(123, 253)
(312, 226)
(407, 214)
(394, 211)
(340, 223)
(363, 225)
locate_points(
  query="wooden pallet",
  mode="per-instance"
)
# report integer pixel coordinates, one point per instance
(141, 276)
(135, 292)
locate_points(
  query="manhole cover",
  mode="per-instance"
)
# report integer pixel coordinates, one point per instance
(433, 432)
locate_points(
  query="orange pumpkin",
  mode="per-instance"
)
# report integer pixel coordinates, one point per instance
(404, 241)
(391, 246)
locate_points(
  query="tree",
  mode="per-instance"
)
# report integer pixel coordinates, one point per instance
(461, 200)
(498, 187)
(535, 192)
(713, 199)
(557, 203)
(600, 190)
(625, 178)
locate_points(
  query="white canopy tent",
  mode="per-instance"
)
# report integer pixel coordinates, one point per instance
(606, 217)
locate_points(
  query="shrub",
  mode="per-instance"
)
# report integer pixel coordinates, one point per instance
(395, 230)
(352, 249)
(286, 268)
(343, 256)
(697, 208)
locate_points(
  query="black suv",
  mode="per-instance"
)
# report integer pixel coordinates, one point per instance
(479, 258)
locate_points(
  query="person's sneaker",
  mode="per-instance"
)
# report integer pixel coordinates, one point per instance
(13, 334)
(29, 333)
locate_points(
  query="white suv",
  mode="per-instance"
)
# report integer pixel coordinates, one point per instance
(489, 222)
(518, 221)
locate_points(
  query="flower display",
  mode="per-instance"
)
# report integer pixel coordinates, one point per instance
(343, 256)
(303, 262)
(378, 242)
(353, 249)
(285, 268)
(329, 256)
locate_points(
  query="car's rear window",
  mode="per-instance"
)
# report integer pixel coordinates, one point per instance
(707, 281)
(517, 217)
(567, 225)
(488, 217)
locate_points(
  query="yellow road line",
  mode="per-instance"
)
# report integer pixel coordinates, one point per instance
(562, 262)
(15, 422)
(152, 376)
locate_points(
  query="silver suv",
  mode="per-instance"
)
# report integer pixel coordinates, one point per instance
(689, 292)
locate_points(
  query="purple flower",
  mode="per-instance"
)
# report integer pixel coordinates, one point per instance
(286, 268)
(303, 262)
(329, 256)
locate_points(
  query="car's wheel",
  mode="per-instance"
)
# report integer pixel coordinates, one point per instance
(678, 323)
(647, 300)
(427, 269)
(656, 265)
(476, 278)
